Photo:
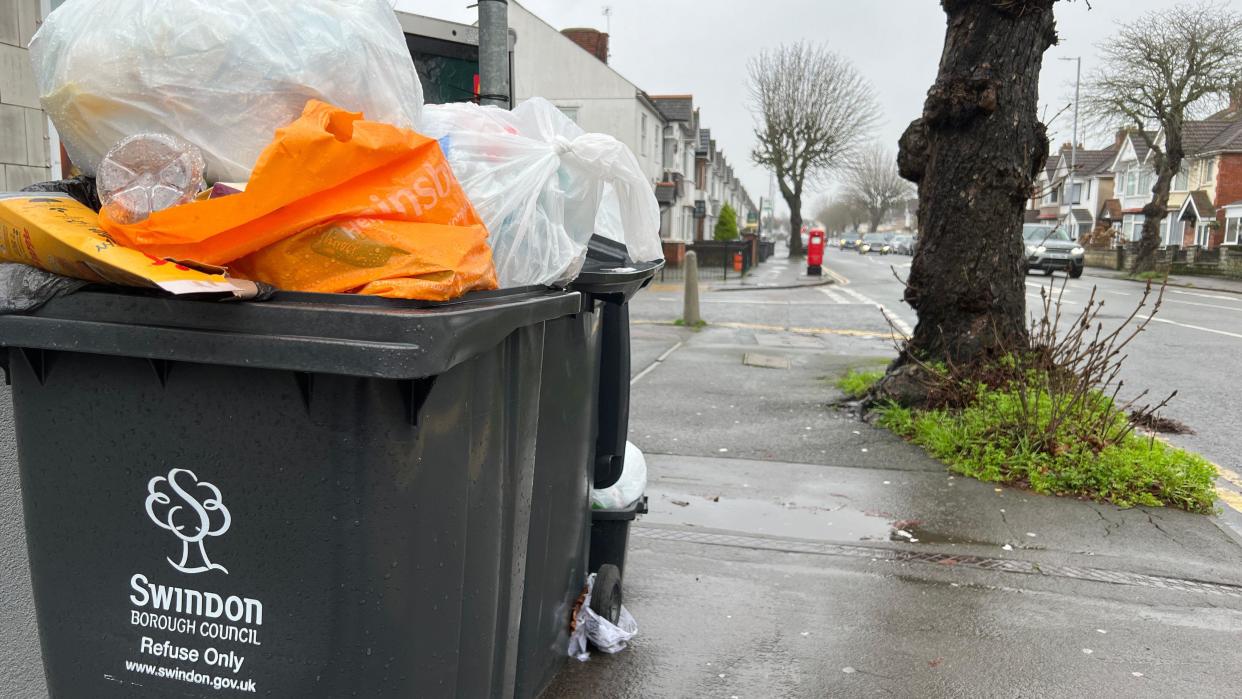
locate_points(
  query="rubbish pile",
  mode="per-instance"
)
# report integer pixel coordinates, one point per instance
(232, 144)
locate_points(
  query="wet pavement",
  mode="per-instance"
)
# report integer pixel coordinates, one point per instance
(792, 550)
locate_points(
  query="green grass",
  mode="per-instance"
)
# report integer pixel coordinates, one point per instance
(1150, 276)
(681, 323)
(990, 440)
(855, 384)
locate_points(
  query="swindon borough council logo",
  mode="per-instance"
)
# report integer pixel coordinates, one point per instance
(192, 510)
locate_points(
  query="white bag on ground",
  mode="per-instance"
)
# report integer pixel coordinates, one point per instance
(222, 75)
(631, 485)
(543, 186)
(605, 635)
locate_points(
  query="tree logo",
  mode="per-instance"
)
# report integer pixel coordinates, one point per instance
(198, 513)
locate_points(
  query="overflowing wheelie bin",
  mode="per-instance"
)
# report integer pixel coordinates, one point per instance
(319, 495)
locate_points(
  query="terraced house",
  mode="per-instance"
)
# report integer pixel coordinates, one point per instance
(1206, 198)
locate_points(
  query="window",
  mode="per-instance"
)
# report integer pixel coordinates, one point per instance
(1077, 189)
(1233, 230)
(1171, 232)
(1181, 183)
(1131, 182)
(642, 133)
(571, 112)
(1203, 235)
(1211, 172)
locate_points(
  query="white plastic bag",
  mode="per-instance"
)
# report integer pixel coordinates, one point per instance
(627, 489)
(222, 75)
(543, 186)
(605, 635)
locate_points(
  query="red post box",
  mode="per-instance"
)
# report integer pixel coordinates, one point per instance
(815, 253)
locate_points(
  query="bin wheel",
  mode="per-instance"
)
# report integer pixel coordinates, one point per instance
(606, 595)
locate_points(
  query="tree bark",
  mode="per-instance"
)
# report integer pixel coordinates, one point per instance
(975, 153)
(795, 224)
(1156, 210)
(877, 216)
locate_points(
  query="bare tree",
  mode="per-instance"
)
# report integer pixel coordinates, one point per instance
(1159, 72)
(812, 109)
(873, 182)
(974, 154)
(841, 215)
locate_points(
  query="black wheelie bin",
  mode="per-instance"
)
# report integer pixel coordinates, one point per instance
(313, 496)
(588, 354)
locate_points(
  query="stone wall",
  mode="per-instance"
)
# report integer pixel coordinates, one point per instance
(1105, 258)
(24, 151)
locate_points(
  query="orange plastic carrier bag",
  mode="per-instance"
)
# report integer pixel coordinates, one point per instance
(335, 204)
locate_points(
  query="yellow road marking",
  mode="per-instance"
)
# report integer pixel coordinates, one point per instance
(1230, 498)
(1229, 475)
(778, 328)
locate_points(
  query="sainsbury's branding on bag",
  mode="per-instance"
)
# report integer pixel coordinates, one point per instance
(203, 632)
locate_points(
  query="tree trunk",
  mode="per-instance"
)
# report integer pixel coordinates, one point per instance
(877, 216)
(795, 224)
(975, 153)
(1155, 211)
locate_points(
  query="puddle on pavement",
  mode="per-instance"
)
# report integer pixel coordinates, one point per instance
(922, 535)
(831, 520)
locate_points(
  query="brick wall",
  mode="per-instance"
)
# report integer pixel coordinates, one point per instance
(24, 156)
(1228, 183)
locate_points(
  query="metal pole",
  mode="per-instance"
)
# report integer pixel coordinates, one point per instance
(1074, 140)
(494, 53)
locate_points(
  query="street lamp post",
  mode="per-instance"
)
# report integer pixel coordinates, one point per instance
(1073, 171)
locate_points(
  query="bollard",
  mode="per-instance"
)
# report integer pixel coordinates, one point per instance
(690, 312)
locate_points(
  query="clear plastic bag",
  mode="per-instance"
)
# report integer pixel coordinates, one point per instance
(220, 74)
(603, 634)
(543, 186)
(629, 488)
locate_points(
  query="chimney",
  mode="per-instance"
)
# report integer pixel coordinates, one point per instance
(593, 41)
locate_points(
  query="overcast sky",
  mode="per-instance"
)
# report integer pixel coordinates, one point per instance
(697, 47)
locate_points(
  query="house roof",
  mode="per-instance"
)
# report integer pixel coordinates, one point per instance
(1202, 204)
(665, 192)
(1140, 143)
(1094, 162)
(1227, 139)
(1196, 135)
(1081, 215)
(1111, 210)
(675, 107)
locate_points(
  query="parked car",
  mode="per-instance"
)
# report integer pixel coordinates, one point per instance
(1050, 249)
(874, 242)
(849, 241)
(903, 244)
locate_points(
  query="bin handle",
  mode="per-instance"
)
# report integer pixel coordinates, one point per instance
(614, 392)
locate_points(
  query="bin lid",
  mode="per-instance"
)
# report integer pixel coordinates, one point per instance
(318, 333)
(609, 272)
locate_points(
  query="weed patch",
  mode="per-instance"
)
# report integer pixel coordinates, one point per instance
(1049, 417)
